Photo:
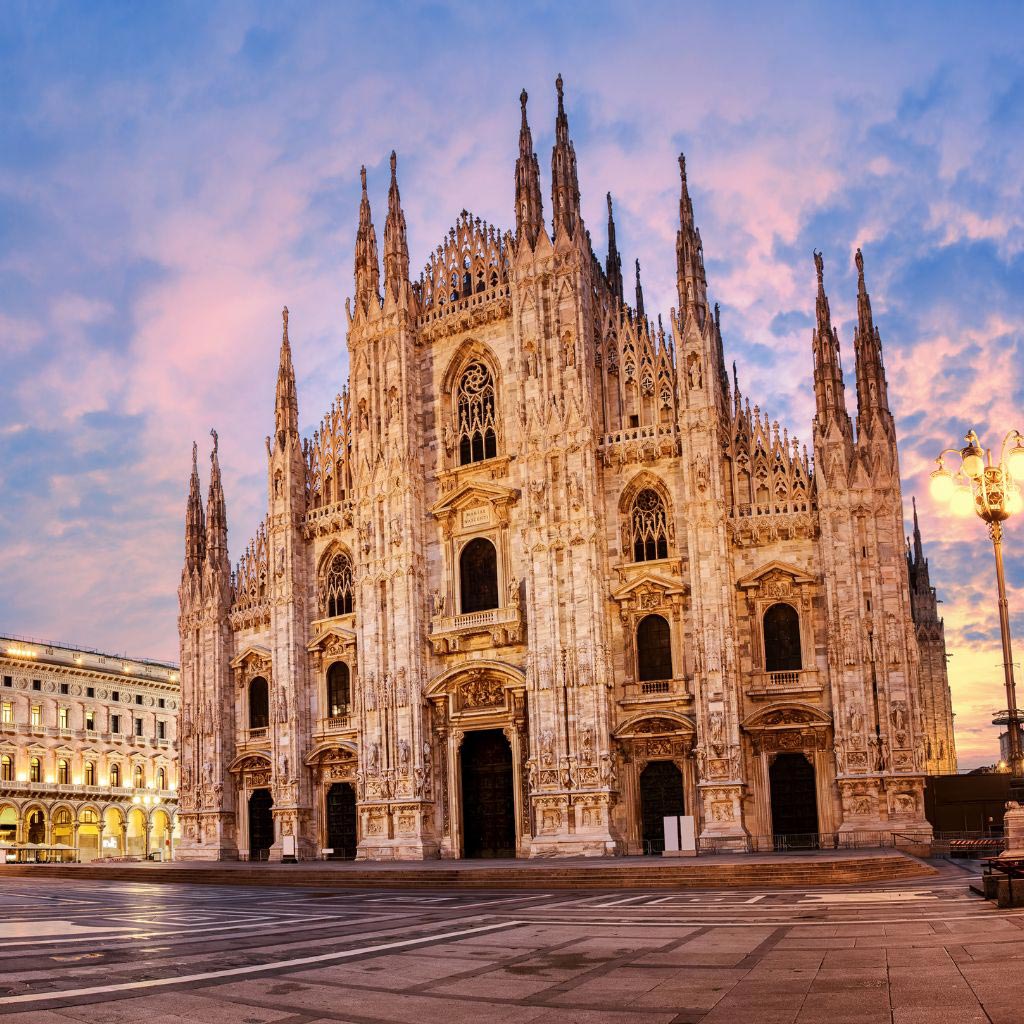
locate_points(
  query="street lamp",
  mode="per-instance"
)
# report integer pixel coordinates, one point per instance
(992, 492)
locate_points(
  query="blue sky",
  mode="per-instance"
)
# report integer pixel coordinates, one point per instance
(172, 174)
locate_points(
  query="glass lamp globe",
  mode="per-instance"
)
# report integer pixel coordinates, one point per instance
(1015, 460)
(973, 463)
(942, 486)
(1014, 501)
(962, 502)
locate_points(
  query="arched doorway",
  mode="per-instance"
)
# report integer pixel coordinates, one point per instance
(8, 824)
(113, 833)
(35, 831)
(88, 834)
(341, 821)
(661, 796)
(794, 799)
(160, 835)
(488, 803)
(136, 834)
(261, 824)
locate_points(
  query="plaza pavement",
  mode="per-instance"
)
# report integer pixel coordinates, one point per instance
(917, 951)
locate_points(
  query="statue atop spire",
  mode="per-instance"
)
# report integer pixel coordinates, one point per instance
(829, 389)
(366, 266)
(872, 390)
(639, 296)
(690, 279)
(286, 403)
(216, 517)
(565, 189)
(613, 265)
(529, 207)
(396, 246)
(195, 520)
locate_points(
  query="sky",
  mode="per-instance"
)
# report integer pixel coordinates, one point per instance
(172, 174)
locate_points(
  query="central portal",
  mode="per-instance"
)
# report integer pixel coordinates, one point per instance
(488, 802)
(261, 824)
(794, 799)
(341, 821)
(661, 796)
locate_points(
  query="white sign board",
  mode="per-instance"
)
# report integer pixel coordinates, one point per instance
(287, 846)
(680, 836)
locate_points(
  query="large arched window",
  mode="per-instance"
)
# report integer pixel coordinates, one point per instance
(63, 772)
(35, 770)
(338, 689)
(336, 588)
(115, 775)
(89, 773)
(161, 779)
(653, 649)
(648, 525)
(478, 576)
(259, 704)
(138, 777)
(475, 417)
(782, 639)
(6, 768)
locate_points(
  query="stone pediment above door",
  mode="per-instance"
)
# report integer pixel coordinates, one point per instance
(475, 505)
(252, 660)
(775, 579)
(649, 591)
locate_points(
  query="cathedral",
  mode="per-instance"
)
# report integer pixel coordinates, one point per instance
(543, 576)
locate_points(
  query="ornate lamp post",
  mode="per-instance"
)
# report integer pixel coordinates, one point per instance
(992, 492)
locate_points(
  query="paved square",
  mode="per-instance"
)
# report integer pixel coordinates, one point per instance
(118, 953)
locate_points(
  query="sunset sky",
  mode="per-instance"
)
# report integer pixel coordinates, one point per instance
(171, 174)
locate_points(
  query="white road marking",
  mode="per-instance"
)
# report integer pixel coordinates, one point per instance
(231, 972)
(912, 896)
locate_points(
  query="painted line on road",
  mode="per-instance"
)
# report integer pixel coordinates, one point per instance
(232, 972)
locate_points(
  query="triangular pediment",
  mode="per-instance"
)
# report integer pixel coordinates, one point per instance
(338, 634)
(474, 492)
(649, 581)
(771, 569)
(255, 651)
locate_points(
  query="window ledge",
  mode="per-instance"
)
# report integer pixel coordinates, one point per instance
(505, 625)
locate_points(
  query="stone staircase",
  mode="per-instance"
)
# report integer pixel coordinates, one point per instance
(717, 872)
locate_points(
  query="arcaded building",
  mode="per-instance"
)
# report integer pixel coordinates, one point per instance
(88, 750)
(543, 575)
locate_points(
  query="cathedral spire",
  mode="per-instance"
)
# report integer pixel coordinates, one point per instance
(829, 390)
(918, 546)
(529, 207)
(367, 268)
(565, 189)
(396, 246)
(872, 392)
(195, 520)
(613, 265)
(639, 296)
(690, 278)
(286, 403)
(216, 516)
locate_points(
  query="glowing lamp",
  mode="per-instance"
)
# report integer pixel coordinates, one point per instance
(972, 456)
(1014, 501)
(942, 485)
(962, 502)
(1015, 459)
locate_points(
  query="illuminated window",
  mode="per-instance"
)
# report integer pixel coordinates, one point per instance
(90, 721)
(89, 773)
(6, 768)
(62, 718)
(115, 775)
(161, 779)
(7, 712)
(35, 770)
(63, 772)
(37, 715)
(138, 777)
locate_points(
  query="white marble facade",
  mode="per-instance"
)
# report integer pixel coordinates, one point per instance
(542, 571)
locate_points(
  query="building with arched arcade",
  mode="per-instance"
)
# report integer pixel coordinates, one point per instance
(542, 575)
(88, 750)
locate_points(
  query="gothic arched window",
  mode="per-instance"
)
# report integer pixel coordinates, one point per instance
(259, 704)
(336, 588)
(648, 526)
(653, 649)
(782, 639)
(478, 576)
(338, 689)
(475, 416)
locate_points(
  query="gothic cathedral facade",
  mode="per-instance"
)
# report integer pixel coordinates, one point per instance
(542, 576)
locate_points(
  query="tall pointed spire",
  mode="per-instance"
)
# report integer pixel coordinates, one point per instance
(918, 546)
(286, 403)
(396, 245)
(367, 268)
(613, 265)
(216, 517)
(195, 520)
(872, 390)
(529, 206)
(829, 389)
(565, 189)
(639, 296)
(690, 278)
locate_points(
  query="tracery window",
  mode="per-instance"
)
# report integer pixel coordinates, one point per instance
(475, 415)
(478, 576)
(336, 589)
(259, 704)
(782, 639)
(338, 689)
(648, 523)
(653, 649)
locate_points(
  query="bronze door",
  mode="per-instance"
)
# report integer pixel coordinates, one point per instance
(488, 803)
(341, 821)
(661, 796)
(794, 800)
(261, 824)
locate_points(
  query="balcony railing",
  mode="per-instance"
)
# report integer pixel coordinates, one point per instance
(658, 689)
(336, 723)
(504, 624)
(257, 734)
(768, 684)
